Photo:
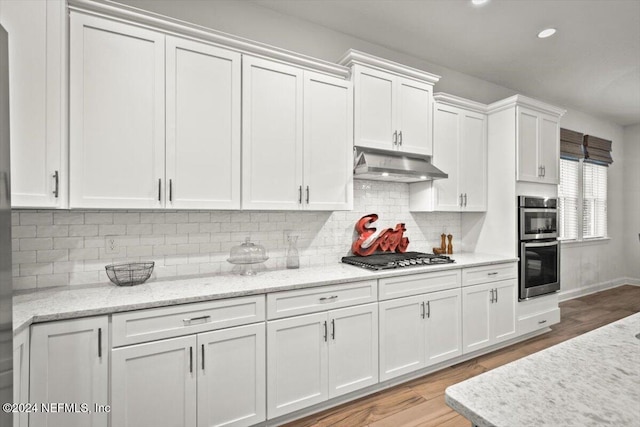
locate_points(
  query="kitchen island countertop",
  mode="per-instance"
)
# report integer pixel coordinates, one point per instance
(81, 301)
(589, 380)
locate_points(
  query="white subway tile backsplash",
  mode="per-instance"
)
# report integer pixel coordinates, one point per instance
(36, 218)
(36, 243)
(60, 248)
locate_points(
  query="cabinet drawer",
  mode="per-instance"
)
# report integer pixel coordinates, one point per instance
(167, 322)
(538, 321)
(415, 284)
(304, 301)
(489, 273)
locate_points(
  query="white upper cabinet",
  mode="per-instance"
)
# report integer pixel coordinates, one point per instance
(37, 85)
(328, 136)
(460, 150)
(298, 155)
(414, 116)
(393, 104)
(119, 118)
(117, 114)
(538, 141)
(203, 126)
(272, 135)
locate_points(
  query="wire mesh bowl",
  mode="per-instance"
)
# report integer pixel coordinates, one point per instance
(130, 273)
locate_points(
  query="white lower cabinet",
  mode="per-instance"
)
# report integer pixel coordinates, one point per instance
(419, 331)
(315, 357)
(21, 376)
(70, 364)
(210, 379)
(488, 314)
(154, 384)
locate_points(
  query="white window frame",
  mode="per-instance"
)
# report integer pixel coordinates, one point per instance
(580, 207)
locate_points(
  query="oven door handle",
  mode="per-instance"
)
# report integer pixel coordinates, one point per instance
(540, 245)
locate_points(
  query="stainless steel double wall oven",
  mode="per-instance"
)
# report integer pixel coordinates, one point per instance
(539, 248)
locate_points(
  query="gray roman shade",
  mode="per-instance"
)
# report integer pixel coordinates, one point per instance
(571, 144)
(597, 150)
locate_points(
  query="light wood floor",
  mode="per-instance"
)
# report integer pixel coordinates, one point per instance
(421, 402)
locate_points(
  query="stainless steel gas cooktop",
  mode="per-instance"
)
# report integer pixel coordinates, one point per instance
(396, 260)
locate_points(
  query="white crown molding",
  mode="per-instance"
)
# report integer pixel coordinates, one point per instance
(355, 57)
(525, 101)
(456, 101)
(120, 12)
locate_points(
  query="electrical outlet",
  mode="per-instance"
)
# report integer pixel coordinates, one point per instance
(111, 245)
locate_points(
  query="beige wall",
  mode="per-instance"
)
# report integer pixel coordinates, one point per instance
(631, 231)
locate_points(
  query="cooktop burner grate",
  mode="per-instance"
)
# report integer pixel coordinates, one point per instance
(396, 260)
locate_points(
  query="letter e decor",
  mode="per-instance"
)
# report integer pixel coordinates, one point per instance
(387, 240)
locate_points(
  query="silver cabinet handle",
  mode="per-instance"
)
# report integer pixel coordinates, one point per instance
(540, 171)
(541, 322)
(428, 309)
(491, 296)
(544, 171)
(300, 194)
(395, 138)
(400, 138)
(194, 319)
(159, 188)
(325, 331)
(333, 329)
(100, 342)
(332, 297)
(465, 199)
(496, 295)
(56, 177)
(492, 273)
(460, 199)
(307, 194)
(203, 357)
(422, 309)
(170, 190)
(190, 359)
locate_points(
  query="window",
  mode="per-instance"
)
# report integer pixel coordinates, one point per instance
(582, 195)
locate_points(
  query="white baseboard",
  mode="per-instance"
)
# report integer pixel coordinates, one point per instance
(587, 290)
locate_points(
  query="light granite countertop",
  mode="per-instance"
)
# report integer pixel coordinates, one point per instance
(590, 380)
(73, 302)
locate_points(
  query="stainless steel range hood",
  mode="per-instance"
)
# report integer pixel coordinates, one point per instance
(383, 165)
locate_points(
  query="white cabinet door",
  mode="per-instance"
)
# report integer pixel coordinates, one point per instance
(154, 384)
(272, 134)
(21, 376)
(37, 92)
(476, 317)
(414, 116)
(402, 338)
(297, 368)
(328, 136)
(374, 109)
(70, 363)
(504, 310)
(203, 126)
(232, 376)
(527, 129)
(443, 326)
(549, 148)
(447, 135)
(353, 348)
(472, 153)
(116, 115)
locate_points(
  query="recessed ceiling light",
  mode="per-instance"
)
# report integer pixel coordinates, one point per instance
(423, 177)
(548, 32)
(479, 2)
(385, 173)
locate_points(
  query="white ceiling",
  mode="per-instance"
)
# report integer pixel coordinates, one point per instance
(592, 64)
